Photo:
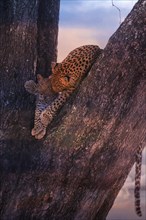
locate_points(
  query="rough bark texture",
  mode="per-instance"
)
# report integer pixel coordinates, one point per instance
(23, 31)
(77, 171)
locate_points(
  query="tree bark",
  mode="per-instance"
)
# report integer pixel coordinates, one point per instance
(77, 171)
(25, 27)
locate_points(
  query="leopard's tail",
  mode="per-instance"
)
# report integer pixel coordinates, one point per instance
(137, 180)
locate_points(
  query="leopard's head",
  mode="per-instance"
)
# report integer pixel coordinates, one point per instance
(60, 80)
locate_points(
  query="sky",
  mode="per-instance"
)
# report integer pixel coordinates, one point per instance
(89, 22)
(93, 22)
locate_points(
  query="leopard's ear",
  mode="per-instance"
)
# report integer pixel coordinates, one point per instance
(39, 77)
(53, 65)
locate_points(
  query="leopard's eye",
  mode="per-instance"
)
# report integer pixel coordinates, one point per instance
(67, 78)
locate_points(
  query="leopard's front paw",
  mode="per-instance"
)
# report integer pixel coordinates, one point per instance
(41, 134)
(46, 118)
(35, 131)
(31, 87)
(38, 132)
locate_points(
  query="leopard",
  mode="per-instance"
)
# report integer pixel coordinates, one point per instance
(66, 76)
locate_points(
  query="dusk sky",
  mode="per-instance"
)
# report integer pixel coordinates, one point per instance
(89, 22)
(93, 22)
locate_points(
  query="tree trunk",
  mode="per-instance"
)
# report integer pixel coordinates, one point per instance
(28, 31)
(77, 171)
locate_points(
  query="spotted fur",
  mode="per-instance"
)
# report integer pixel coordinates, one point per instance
(137, 180)
(65, 78)
(41, 104)
(69, 73)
